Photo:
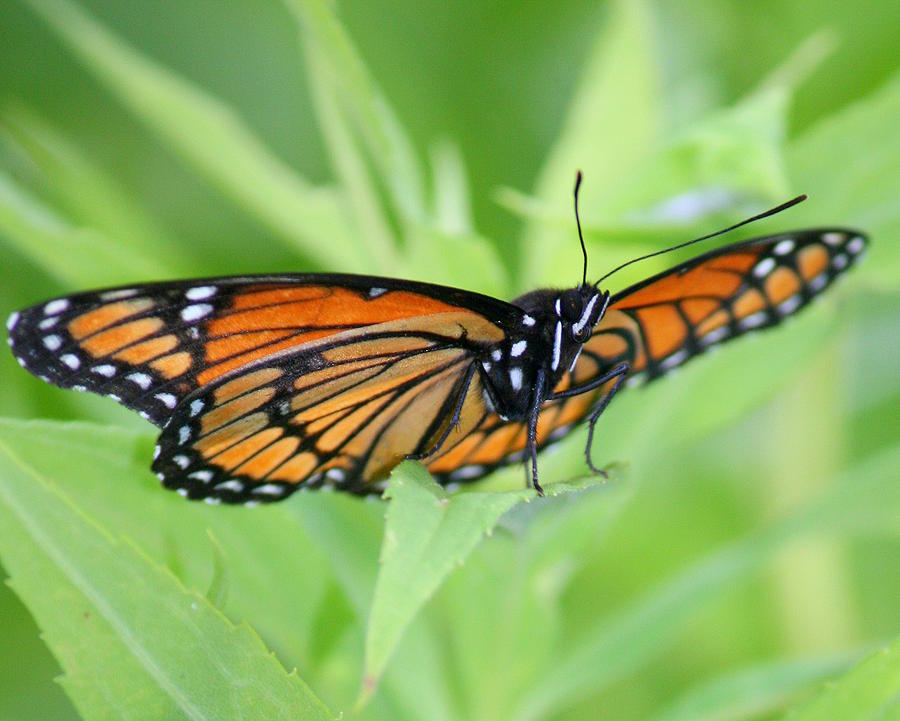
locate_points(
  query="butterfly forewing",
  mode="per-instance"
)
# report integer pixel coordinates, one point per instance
(658, 324)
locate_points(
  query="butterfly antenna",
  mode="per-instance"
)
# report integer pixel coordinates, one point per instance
(760, 216)
(578, 222)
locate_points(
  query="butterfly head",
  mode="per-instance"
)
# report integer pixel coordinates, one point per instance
(578, 310)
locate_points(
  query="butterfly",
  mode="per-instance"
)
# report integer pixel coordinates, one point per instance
(265, 384)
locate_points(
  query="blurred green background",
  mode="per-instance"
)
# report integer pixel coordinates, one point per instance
(747, 548)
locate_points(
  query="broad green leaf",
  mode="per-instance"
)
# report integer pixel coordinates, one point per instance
(107, 469)
(79, 257)
(612, 123)
(133, 642)
(427, 534)
(617, 646)
(848, 165)
(390, 149)
(749, 693)
(869, 692)
(212, 138)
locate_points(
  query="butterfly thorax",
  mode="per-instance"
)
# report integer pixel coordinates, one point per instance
(554, 328)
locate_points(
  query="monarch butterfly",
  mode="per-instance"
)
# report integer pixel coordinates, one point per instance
(265, 384)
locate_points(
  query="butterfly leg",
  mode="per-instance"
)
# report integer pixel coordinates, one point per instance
(454, 420)
(619, 371)
(532, 429)
(622, 374)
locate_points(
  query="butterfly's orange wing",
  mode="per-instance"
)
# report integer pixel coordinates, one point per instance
(264, 383)
(662, 322)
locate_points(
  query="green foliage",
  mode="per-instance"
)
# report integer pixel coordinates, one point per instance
(744, 551)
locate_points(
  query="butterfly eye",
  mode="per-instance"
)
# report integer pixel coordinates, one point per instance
(572, 305)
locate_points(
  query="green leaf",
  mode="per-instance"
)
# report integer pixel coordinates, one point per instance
(617, 646)
(869, 692)
(212, 138)
(390, 148)
(217, 593)
(371, 217)
(91, 197)
(446, 257)
(427, 534)
(848, 165)
(612, 123)
(76, 256)
(755, 691)
(133, 641)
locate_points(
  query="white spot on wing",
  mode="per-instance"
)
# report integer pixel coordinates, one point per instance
(518, 348)
(183, 492)
(839, 261)
(201, 292)
(528, 320)
(12, 320)
(676, 359)
(497, 355)
(141, 379)
(269, 489)
(375, 292)
(184, 435)
(181, 461)
(106, 370)
(79, 388)
(118, 294)
(753, 321)
(46, 323)
(715, 335)
(515, 378)
(764, 267)
(156, 451)
(232, 485)
(196, 406)
(790, 305)
(833, 238)
(212, 500)
(56, 306)
(819, 282)
(783, 247)
(52, 342)
(71, 360)
(336, 474)
(205, 475)
(167, 399)
(195, 312)
(856, 245)
(487, 366)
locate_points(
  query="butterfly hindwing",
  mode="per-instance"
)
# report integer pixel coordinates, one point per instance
(341, 411)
